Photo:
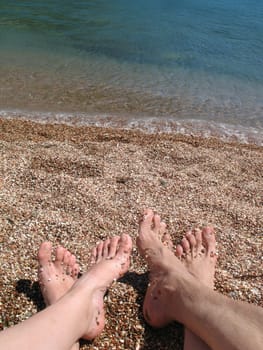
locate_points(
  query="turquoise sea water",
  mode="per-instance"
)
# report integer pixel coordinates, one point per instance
(190, 66)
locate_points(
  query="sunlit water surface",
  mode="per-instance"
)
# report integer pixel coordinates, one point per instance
(183, 66)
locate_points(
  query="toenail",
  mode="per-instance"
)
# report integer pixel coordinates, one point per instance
(41, 269)
(49, 279)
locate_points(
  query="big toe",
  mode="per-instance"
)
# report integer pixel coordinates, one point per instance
(59, 255)
(146, 221)
(44, 253)
(125, 245)
(124, 252)
(167, 241)
(179, 251)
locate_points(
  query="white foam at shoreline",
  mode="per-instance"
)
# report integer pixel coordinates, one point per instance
(203, 128)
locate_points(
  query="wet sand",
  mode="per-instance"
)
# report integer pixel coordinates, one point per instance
(77, 185)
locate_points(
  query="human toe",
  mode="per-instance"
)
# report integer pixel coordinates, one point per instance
(185, 245)
(105, 249)
(198, 237)
(59, 256)
(209, 240)
(125, 245)
(98, 251)
(44, 253)
(113, 246)
(167, 241)
(192, 242)
(179, 251)
(72, 268)
(66, 262)
(156, 224)
(146, 221)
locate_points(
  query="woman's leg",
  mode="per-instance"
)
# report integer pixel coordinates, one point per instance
(56, 277)
(79, 313)
(175, 293)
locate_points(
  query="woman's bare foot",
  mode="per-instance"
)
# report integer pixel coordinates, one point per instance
(56, 277)
(111, 260)
(198, 253)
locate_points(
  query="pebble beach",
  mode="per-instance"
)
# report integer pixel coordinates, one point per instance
(76, 185)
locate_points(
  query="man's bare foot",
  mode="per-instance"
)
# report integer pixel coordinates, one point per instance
(155, 246)
(56, 277)
(197, 255)
(198, 252)
(111, 260)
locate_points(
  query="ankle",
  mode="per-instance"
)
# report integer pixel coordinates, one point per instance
(184, 293)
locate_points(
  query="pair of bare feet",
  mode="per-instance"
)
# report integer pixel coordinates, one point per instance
(194, 258)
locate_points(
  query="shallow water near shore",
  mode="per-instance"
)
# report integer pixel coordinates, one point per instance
(160, 65)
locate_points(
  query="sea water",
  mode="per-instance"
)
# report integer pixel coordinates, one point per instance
(168, 65)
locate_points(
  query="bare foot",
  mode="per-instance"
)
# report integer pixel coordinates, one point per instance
(198, 252)
(154, 245)
(56, 277)
(197, 255)
(111, 260)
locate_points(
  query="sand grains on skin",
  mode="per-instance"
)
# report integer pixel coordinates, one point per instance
(197, 251)
(110, 260)
(195, 256)
(58, 276)
(154, 245)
